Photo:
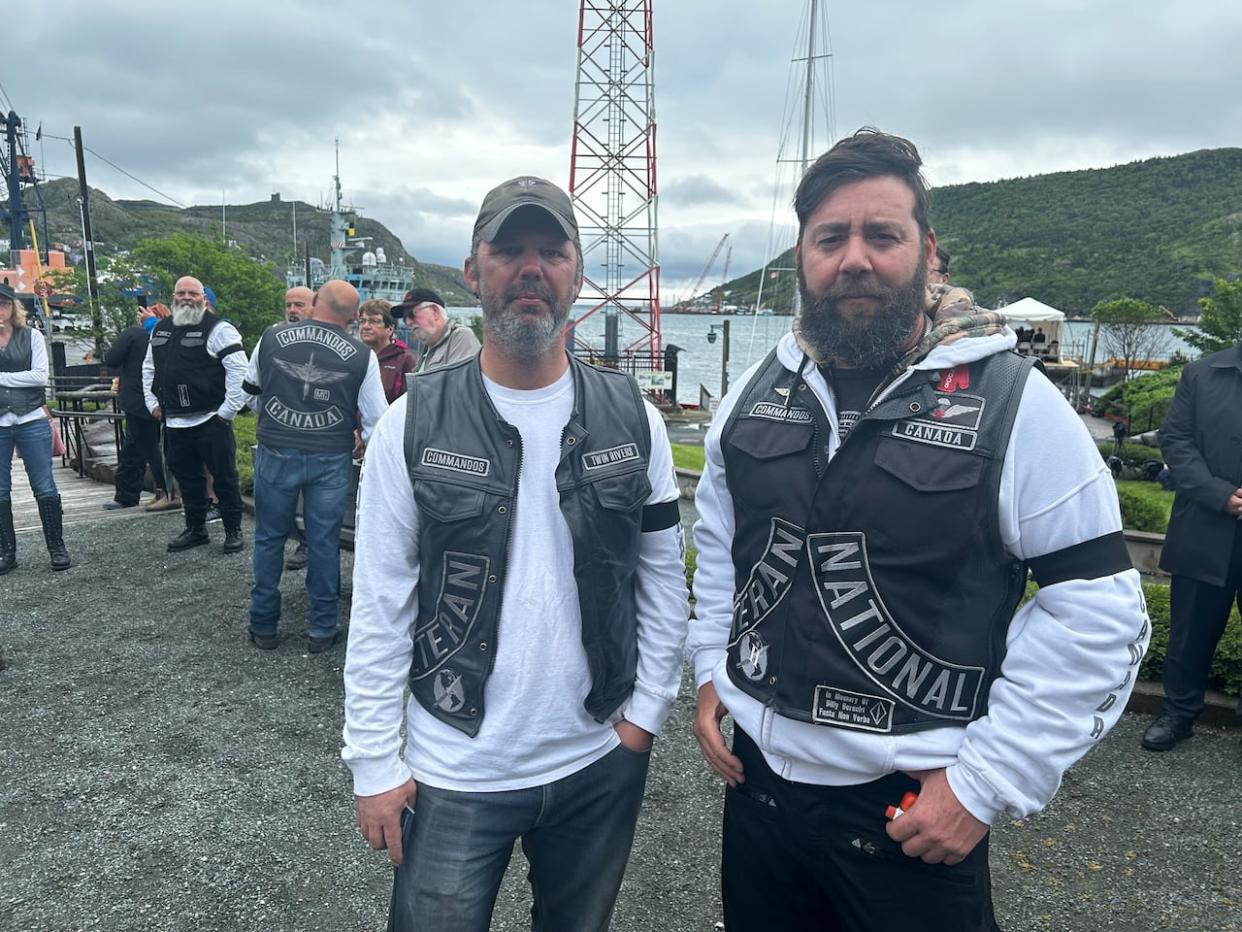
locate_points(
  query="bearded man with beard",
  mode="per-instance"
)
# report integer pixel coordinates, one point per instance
(875, 491)
(192, 382)
(518, 565)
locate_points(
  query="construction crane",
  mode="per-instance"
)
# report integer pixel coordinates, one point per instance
(707, 268)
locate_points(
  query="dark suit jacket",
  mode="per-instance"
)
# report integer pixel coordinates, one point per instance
(124, 358)
(1202, 442)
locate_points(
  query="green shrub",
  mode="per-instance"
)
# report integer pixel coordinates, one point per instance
(1132, 454)
(244, 427)
(1144, 506)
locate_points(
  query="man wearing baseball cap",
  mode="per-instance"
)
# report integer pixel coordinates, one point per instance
(445, 341)
(518, 566)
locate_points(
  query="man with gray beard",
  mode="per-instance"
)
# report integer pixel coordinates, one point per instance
(873, 495)
(192, 381)
(518, 565)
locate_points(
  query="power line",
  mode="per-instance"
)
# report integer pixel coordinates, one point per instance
(129, 175)
(8, 104)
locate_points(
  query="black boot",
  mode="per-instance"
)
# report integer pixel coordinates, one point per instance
(8, 538)
(50, 514)
(194, 536)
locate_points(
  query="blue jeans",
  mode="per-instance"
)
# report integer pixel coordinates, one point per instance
(322, 479)
(34, 440)
(576, 833)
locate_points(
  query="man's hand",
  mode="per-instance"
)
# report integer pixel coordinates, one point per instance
(634, 738)
(1234, 504)
(707, 715)
(937, 828)
(360, 448)
(158, 413)
(379, 818)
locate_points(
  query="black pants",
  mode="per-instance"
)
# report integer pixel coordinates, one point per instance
(209, 446)
(800, 857)
(142, 446)
(1198, 613)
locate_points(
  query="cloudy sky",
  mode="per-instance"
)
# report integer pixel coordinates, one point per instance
(435, 102)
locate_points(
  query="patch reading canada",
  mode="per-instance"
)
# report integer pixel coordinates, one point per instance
(600, 459)
(777, 412)
(875, 642)
(456, 462)
(847, 709)
(920, 431)
(462, 584)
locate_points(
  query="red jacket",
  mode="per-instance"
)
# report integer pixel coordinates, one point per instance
(394, 362)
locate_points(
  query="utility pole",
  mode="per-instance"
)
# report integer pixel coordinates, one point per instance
(88, 246)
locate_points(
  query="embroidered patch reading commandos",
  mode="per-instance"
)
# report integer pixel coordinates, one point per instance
(599, 459)
(457, 462)
(852, 710)
(778, 412)
(876, 643)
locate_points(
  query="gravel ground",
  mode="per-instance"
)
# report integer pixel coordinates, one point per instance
(157, 772)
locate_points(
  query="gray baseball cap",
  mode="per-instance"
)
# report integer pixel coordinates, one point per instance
(524, 191)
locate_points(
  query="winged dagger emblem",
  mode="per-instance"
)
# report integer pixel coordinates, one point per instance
(309, 374)
(952, 409)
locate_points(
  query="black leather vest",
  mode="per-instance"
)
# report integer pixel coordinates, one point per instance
(310, 373)
(464, 463)
(18, 356)
(873, 590)
(188, 380)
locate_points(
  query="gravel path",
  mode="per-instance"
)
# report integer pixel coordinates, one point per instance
(159, 773)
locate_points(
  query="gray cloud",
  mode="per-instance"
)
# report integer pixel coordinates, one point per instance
(699, 189)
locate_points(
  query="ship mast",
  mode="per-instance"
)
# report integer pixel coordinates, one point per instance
(339, 227)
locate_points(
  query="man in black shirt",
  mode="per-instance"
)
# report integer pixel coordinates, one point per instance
(142, 431)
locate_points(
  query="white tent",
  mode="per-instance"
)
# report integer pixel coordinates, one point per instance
(1029, 314)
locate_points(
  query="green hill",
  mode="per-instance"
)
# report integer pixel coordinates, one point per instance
(1159, 230)
(264, 230)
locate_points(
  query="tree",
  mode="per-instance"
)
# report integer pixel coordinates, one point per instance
(1128, 333)
(117, 277)
(1220, 323)
(249, 293)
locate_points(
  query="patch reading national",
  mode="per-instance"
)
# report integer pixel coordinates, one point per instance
(601, 459)
(847, 709)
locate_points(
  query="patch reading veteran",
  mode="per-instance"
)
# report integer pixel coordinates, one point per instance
(773, 411)
(599, 459)
(463, 582)
(852, 710)
(875, 642)
(457, 462)
(769, 579)
(292, 418)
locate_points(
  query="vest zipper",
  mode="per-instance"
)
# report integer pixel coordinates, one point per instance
(500, 599)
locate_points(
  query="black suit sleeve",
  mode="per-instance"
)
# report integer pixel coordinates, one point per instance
(115, 357)
(1179, 444)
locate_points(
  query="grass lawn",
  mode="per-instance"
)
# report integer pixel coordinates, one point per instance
(688, 456)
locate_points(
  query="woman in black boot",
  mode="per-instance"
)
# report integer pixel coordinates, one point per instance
(23, 382)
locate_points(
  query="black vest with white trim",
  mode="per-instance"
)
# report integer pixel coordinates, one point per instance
(310, 374)
(873, 589)
(188, 379)
(464, 462)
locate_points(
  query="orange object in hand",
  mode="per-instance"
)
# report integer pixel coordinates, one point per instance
(908, 800)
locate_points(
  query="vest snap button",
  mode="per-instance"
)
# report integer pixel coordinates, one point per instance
(915, 407)
(509, 442)
(502, 509)
(491, 578)
(571, 441)
(771, 681)
(473, 712)
(483, 645)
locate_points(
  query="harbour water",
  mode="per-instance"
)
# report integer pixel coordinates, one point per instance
(752, 337)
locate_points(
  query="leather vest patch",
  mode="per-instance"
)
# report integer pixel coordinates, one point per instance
(456, 462)
(463, 583)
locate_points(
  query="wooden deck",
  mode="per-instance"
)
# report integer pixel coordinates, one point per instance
(82, 499)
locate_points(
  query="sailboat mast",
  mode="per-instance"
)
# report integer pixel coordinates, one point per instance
(807, 113)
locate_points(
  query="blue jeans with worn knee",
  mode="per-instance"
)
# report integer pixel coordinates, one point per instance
(322, 479)
(34, 440)
(576, 833)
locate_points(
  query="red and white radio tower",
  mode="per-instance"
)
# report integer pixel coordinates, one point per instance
(612, 180)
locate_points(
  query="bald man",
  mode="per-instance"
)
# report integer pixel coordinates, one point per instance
(192, 381)
(308, 379)
(298, 302)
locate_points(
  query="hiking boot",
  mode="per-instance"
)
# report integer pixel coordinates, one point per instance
(319, 645)
(190, 537)
(264, 641)
(299, 558)
(1166, 731)
(233, 542)
(8, 538)
(164, 502)
(50, 514)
